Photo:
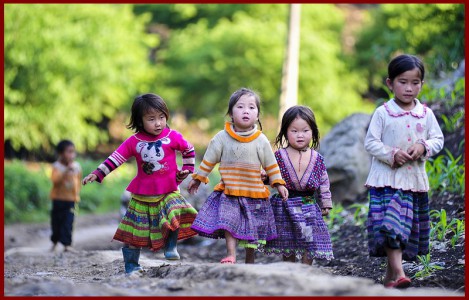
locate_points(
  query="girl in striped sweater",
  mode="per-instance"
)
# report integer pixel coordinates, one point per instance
(239, 207)
(157, 215)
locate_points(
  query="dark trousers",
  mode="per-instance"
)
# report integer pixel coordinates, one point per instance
(62, 217)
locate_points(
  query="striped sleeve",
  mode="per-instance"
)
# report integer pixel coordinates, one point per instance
(116, 159)
(212, 156)
(269, 163)
(188, 153)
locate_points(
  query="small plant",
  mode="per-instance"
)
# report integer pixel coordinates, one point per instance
(335, 216)
(458, 230)
(442, 227)
(361, 213)
(446, 174)
(451, 123)
(428, 268)
(439, 228)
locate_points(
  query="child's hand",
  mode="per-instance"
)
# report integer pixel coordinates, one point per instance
(325, 211)
(416, 151)
(89, 178)
(282, 190)
(401, 157)
(181, 175)
(193, 186)
(263, 175)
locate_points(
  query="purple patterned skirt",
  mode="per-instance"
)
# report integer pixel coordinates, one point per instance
(398, 219)
(301, 229)
(246, 219)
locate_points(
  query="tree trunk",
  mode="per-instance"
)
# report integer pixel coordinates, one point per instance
(289, 93)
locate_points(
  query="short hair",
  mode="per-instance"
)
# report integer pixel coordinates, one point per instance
(142, 104)
(404, 63)
(63, 145)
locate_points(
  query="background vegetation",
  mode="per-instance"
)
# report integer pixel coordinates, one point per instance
(72, 71)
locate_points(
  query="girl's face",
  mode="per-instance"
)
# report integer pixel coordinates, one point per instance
(245, 113)
(68, 156)
(154, 121)
(406, 87)
(299, 134)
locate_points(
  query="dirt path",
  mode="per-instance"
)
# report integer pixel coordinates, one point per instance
(97, 269)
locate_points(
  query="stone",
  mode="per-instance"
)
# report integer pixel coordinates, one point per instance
(346, 159)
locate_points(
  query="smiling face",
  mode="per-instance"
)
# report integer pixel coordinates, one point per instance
(245, 113)
(406, 87)
(154, 121)
(299, 134)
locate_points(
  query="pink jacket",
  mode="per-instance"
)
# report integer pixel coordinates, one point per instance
(156, 161)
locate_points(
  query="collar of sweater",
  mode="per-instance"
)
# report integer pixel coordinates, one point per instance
(243, 137)
(146, 137)
(394, 110)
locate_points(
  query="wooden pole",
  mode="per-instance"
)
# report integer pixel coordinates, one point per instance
(289, 89)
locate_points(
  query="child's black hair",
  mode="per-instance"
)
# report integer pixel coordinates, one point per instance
(238, 94)
(404, 63)
(63, 145)
(143, 104)
(303, 112)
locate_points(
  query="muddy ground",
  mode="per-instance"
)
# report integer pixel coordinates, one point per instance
(97, 269)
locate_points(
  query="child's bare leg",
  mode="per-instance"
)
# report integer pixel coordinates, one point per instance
(249, 255)
(394, 269)
(290, 258)
(306, 260)
(230, 244)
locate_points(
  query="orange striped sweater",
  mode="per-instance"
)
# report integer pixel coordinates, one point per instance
(241, 156)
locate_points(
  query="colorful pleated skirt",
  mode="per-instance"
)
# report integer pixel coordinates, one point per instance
(147, 224)
(301, 229)
(398, 219)
(249, 220)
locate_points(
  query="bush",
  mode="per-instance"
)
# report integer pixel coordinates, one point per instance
(26, 193)
(27, 190)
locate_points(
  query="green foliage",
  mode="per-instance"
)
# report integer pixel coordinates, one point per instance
(453, 122)
(26, 194)
(360, 214)
(179, 16)
(459, 230)
(234, 53)
(206, 61)
(433, 31)
(446, 174)
(451, 99)
(441, 228)
(336, 218)
(69, 69)
(428, 268)
(27, 191)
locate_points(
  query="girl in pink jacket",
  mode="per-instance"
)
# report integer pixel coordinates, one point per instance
(157, 215)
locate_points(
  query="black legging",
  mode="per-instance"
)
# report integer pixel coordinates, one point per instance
(62, 217)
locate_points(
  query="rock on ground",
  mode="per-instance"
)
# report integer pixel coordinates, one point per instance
(30, 269)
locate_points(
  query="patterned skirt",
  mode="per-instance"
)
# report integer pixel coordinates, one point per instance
(398, 219)
(147, 224)
(247, 219)
(301, 229)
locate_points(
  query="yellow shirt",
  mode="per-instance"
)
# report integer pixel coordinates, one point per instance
(66, 183)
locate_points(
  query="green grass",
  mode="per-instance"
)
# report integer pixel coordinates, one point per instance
(27, 188)
(446, 174)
